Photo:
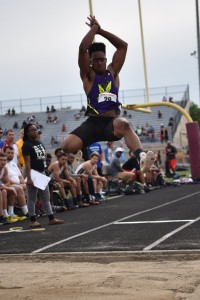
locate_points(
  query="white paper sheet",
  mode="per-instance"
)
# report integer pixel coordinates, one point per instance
(39, 180)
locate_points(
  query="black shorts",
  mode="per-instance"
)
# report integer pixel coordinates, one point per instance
(96, 129)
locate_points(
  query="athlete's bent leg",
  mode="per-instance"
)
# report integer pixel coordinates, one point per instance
(72, 144)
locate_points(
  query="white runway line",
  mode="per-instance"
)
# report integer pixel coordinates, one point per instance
(111, 223)
(151, 222)
(169, 235)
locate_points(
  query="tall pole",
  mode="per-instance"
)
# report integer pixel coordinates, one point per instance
(90, 5)
(198, 42)
(91, 11)
(143, 53)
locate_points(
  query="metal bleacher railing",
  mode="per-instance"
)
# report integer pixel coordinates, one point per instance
(138, 96)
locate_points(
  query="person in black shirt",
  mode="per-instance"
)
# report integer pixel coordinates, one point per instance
(34, 156)
(132, 165)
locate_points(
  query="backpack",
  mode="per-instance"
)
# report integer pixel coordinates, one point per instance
(114, 187)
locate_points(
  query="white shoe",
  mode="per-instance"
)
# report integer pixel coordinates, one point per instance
(146, 161)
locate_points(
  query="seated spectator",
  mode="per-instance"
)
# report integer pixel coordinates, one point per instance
(24, 123)
(171, 99)
(3, 205)
(138, 131)
(1, 140)
(47, 110)
(8, 112)
(15, 125)
(16, 180)
(89, 168)
(55, 120)
(117, 171)
(49, 119)
(96, 147)
(124, 113)
(7, 190)
(159, 114)
(77, 116)
(81, 180)
(56, 169)
(164, 99)
(64, 128)
(53, 108)
(132, 165)
(83, 110)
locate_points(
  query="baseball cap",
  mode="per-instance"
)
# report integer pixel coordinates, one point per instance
(119, 149)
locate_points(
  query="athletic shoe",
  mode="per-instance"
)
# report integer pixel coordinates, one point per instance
(4, 221)
(55, 222)
(146, 161)
(35, 224)
(11, 219)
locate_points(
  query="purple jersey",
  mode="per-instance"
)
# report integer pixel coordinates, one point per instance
(103, 95)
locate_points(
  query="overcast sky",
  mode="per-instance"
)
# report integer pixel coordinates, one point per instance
(40, 39)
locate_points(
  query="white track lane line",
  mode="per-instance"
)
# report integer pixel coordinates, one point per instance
(111, 223)
(169, 235)
(152, 222)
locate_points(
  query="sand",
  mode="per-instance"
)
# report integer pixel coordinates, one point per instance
(128, 276)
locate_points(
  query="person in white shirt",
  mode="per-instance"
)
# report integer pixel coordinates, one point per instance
(16, 179)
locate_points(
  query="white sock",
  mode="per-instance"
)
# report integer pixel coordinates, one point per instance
(24, 209)
(11, 211)
(5, 213)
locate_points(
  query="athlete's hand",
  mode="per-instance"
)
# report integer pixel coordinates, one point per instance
(93, 22)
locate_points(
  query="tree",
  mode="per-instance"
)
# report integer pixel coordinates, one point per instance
(195, 112)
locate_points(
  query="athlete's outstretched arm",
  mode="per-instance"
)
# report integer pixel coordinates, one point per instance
(84, 59)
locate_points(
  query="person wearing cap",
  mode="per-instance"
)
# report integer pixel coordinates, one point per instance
(101, 85)
(116, 169)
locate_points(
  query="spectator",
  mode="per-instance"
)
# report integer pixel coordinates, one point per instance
(108, 152)
(8, 112)
(89, 168)
(13, 112)
(162, 135)
(19, 144)
(55, 120)
(64, 127)
(96, 147)
(16, 180)
(171, 99)
(59, 173)
(166, 135)
(171, 157)
(47, 110)
(122, 158)
(116, 169)
(34, 156)
(1, 140)
(81, 180)
(15, 125)
(164, 99)
(132, 165)
(124, 113)
(9, 141)
(159, 114)
(49, 119)
(53, 108)
(24, 123)
(7, 190)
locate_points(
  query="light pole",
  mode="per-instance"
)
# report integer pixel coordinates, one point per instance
(198, 42)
